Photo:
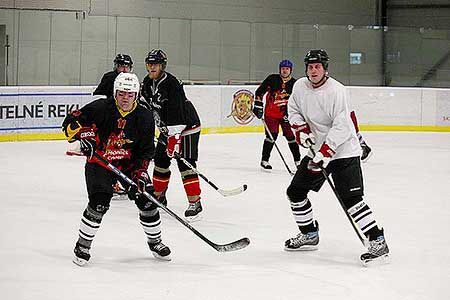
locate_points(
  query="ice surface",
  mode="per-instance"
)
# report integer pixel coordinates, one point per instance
(406, 183)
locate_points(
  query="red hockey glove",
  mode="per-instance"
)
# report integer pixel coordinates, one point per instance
(303, 135)
(144, 183)
(321, 159)
(173, 145)
(88, 143)
(258, 109)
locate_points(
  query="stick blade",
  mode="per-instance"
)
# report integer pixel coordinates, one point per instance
(233, 192)
(233, 246)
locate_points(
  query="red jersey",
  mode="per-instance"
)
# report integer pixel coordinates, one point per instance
(278, 92)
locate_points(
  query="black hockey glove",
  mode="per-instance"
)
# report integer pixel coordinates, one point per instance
(143, 182)
(88, 142)
(258, 109)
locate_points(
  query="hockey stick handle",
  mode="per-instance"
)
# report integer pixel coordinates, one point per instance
(341, 202)
(111, 167)
(276, 147)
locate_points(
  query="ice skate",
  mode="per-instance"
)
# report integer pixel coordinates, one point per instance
(366, 152)
(82, 255)
(119, 192)
(160, 251)
(377, 253)
(193, 212)
(308, 241)
(266, 167)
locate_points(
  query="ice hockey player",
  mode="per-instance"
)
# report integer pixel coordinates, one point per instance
(278, 88)
(122, 64)
(122, 131)
(179, 125)
(319, 114)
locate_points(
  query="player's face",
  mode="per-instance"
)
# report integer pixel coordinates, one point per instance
(125, 100)
(123, 68)
(154, 70)
(285, 72)
(315, 72)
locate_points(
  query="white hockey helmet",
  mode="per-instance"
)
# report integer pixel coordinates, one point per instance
(127, 82)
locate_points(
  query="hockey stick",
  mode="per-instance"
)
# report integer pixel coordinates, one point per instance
(327, 177)
(276, 146)
(225, 193)
(233, 246)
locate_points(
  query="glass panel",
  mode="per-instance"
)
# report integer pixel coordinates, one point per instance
(266, 49)
(235, 56)
(174, 37)
(96, 53)
(34, 48)
(65, 49)
(205, 51)
(133, 39)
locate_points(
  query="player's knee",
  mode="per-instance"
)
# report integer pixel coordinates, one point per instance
(99, 202)
(295, 193)
(350, 201)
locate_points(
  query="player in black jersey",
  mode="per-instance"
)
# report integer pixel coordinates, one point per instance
(278, 88)
(180, 126)
(122, 131)
(122, 64)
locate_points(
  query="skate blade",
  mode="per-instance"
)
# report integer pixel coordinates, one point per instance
(79, 261)
(266, 170)
(303, 248)
(165, 258)
(119, 197)
(195, 218)
(379, 261)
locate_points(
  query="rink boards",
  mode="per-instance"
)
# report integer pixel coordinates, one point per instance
(36, 113)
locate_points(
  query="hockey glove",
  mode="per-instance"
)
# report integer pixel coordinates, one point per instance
(303, 135)
(321, 159)
(143, 182)
(173, 145)
(88, 143)
(258, 109)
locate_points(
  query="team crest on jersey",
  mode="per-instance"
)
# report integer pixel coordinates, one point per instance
(114, 150)
(241, 107)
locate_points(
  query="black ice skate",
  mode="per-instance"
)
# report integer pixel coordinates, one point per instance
(308, 241)
(160, 251)
(366, 152)
(82, 255)
(378, 253)
(266, 166)
(193, 211)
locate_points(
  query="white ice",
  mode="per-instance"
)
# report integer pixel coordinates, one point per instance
(406, 183)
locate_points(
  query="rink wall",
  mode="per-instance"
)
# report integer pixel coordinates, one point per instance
(36, 113)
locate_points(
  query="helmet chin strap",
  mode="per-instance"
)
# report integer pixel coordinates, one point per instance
(321, 81)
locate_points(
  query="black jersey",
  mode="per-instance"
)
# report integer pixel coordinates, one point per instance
(166, 97)
(106, 85)
(278, 92)
(125, 139)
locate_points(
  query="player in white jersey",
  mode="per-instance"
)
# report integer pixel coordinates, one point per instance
(319, 114)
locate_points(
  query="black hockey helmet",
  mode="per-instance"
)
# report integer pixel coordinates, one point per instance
(317, 56)
(123, 59)
(157, 56)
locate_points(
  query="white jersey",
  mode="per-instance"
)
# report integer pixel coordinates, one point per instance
(326, 110)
